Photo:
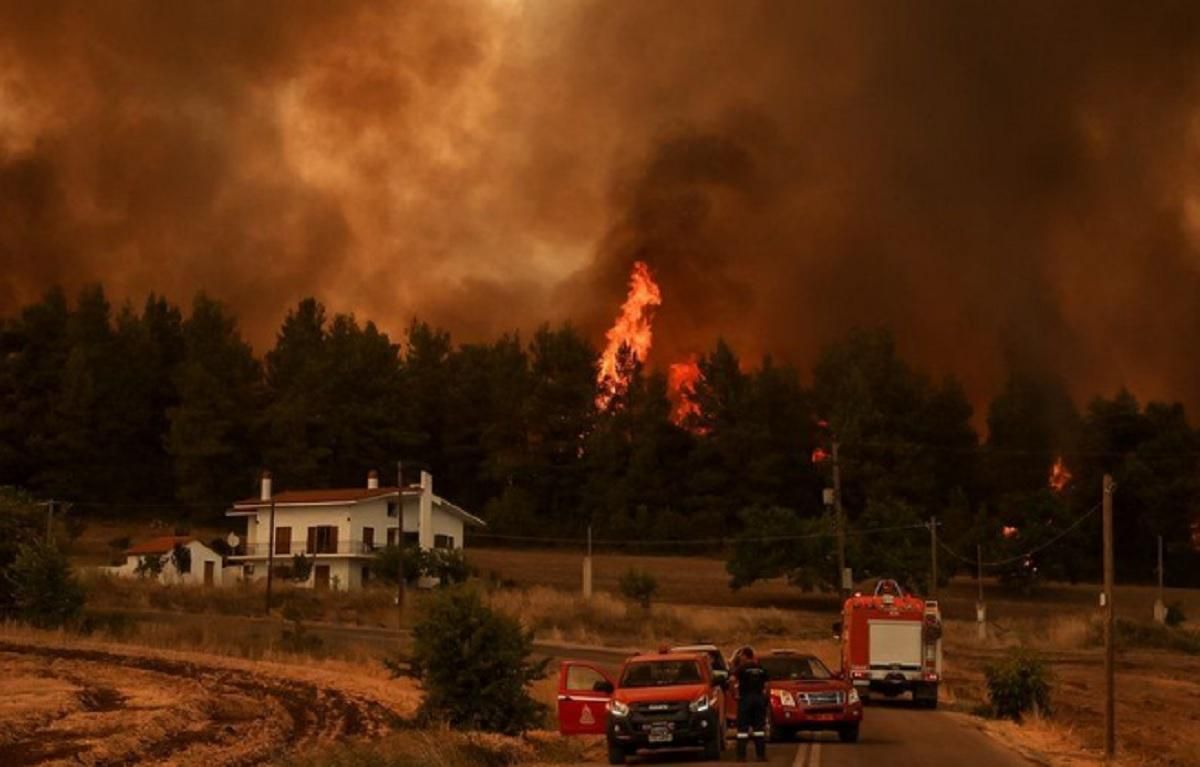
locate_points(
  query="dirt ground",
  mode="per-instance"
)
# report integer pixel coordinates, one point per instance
(65, 701)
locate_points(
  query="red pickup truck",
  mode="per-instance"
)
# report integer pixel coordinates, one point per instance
(658, 701)
(806, 695)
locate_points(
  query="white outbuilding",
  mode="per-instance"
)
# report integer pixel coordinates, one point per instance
(200, 565)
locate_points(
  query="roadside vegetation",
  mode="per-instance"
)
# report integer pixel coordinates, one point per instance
(447, 748)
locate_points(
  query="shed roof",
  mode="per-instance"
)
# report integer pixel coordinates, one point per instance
(160, 545)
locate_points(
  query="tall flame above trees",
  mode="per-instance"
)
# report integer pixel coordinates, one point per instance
(632, 332)
(1060, 476)
(682, 378)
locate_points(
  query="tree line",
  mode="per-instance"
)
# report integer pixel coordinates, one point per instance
(146, 412)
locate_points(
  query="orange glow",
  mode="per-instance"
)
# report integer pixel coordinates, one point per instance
(682, 378)
(820, 455)
(1009, 532)
(632, 331)
(1060, 476)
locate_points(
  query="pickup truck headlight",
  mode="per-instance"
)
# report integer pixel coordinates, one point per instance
(617, 708)
(786, 699)
(699, 705)
(853, 696)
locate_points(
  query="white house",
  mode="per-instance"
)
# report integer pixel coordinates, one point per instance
(339, 530)
(202, 566)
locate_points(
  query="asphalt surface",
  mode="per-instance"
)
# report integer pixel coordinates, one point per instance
(891, 736)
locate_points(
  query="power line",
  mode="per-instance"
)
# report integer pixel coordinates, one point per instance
(1001, 562)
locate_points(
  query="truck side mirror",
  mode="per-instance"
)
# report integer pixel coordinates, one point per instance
(603, 686)
(720, 678)
(837, 630)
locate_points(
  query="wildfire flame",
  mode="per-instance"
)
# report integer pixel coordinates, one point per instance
(632, 331)
(1009, 532)
(1060, 476)
(682, 378)
(820, 455)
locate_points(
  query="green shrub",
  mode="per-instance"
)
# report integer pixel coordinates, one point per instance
(449, 566)
(1018, 684)
(474, 665)
(1175, 616)
(1152, 636)
(149, 566)
(301, 568)
(44, 590)
(297, 639)
(638, 585)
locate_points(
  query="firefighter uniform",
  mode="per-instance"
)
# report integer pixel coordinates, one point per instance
(752, 707)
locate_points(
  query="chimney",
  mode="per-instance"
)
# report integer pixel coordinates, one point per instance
(265, 494)
(372, 480)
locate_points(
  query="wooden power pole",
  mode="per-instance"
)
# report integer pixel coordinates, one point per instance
(1110, 711)
(270, 553)
(980, 607)
(400, 545)
(933, 583)
(841, 522)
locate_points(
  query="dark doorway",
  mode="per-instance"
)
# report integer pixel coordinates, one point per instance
(321, 577)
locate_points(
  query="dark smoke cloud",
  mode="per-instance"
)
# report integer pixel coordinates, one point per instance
(1002, 184)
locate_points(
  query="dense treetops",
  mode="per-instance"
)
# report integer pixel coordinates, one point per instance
(155, 413)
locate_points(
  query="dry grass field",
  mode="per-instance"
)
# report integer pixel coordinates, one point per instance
(1157, 682)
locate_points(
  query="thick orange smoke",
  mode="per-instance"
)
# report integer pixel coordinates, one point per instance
(682, 378)
(630, 337)
(1060, 476)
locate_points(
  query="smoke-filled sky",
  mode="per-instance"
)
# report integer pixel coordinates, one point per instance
(1001, 183)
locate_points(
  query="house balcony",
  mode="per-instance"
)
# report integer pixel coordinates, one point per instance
(319, 550)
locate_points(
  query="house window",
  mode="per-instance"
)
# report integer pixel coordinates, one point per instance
(323, 539)
(411, 539)
(391, 536)
(366, 575)
(184, 567)
(368, 539)
(247, 571)
(283, 541)
(393, 508)
(443, 541)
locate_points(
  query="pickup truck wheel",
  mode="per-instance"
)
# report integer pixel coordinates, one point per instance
(848, 734)
(616, 754)
(713, 746)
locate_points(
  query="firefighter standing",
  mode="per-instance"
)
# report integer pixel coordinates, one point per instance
(752, 705)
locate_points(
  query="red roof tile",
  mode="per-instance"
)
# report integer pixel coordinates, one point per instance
(160, 545)
(333, 495)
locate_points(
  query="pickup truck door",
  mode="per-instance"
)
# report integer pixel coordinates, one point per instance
(582, 707)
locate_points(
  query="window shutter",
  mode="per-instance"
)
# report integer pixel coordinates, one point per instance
(311, 548)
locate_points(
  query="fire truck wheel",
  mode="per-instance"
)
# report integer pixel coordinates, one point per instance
(616, 754)
(926, 696)
(848, 734)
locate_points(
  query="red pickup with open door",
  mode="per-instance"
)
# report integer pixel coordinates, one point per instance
(660, 701)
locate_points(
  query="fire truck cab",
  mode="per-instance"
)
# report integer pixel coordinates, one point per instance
(892, 643)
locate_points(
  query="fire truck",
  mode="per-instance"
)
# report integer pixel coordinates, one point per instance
(892, 643)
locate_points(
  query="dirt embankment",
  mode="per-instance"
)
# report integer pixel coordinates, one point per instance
(75, 703)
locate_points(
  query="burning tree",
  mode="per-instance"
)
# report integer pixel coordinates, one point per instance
(630, 337)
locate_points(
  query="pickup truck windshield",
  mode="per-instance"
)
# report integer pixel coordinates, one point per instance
(661, 673)
(798, 667)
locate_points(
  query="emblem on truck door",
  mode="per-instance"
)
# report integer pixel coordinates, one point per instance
(585, 716)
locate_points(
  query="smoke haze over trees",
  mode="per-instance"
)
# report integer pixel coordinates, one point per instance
(1007, 185)
(157, 413)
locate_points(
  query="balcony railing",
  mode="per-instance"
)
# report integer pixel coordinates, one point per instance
(341, 548)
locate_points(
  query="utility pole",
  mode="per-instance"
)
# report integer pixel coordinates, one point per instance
(933, 584)
(1110, 711)
(840, 521)
(50, 521)
(271, 553)
(587, 567)
(1160, 605)
(400, 545)
(980, 607)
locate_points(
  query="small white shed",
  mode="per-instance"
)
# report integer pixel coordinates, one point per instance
(201, 565)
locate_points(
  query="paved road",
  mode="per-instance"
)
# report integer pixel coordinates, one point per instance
(892, 736)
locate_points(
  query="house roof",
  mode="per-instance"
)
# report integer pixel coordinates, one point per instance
(160, 545)
(346, 496)
(331, 495)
